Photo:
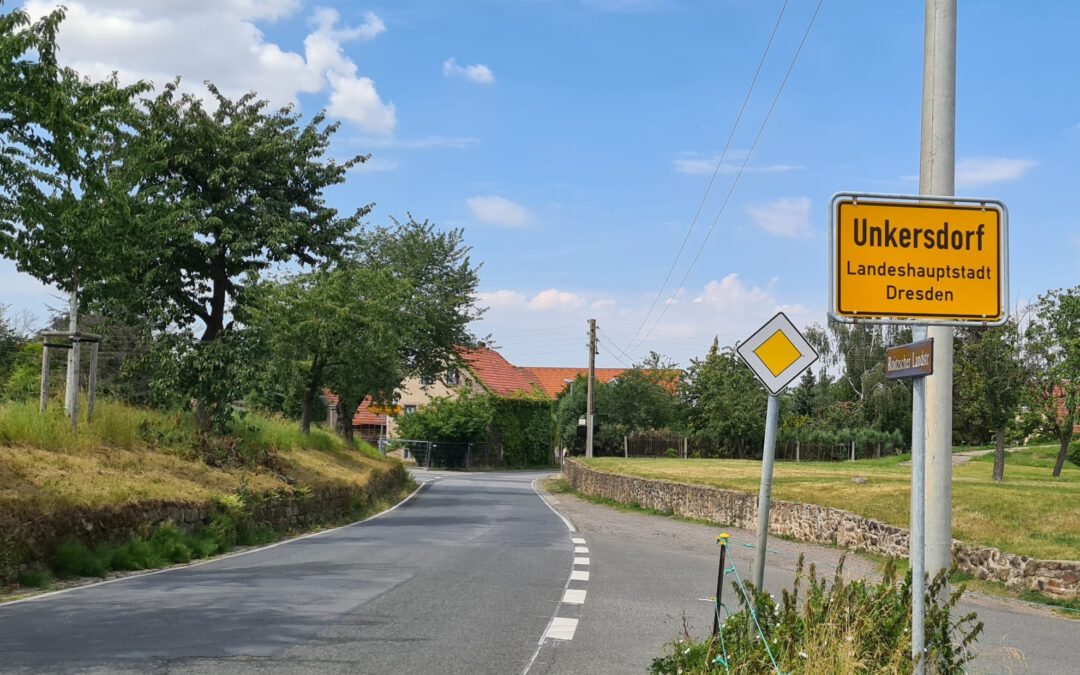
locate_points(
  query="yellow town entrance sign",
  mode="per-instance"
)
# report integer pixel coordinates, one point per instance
(898, 259)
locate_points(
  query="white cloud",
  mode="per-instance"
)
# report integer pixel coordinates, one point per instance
(219, 40)
(707, 165)
(731, 296)
(977, 171)
(496, 210)
(784, 217)
(478, 72)
(549, 327)
(551, 299)
(500, 299)
(555, 299)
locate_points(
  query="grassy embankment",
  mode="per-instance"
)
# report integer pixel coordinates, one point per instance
(1029, 513)
(130, 455)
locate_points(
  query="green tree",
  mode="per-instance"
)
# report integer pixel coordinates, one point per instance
(328, 324)
(10, 340)
(727, 403)
(432, 275)
(639, 399)
(66, 193)
(29, 77)
(435, 273)
(223, 195)
(400, 306)
(990, 379)
(856, 350)
(465, 418)
(1053, 346)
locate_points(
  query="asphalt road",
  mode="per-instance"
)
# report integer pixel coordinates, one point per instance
(649, 573)
(474, 574)
(463, 578)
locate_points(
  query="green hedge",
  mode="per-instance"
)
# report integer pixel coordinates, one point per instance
(525, 429)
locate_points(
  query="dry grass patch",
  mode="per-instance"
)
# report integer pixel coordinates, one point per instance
(1029, 513)
(131, 454)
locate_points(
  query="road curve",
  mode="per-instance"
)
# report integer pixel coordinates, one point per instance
(463, 578)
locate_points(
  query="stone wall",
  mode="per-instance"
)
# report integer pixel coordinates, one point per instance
(822, 525)
(28, 540)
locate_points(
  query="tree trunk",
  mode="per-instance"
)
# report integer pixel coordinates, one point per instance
(344, 421)
(204, 416)
(305, 411)
(308, 401)
(999, 456)
(1064, 452)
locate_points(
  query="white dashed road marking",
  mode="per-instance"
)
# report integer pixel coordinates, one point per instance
(574, 596)
(561, 629)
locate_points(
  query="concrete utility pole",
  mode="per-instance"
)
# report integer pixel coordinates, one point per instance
(589, 395)
(937, 168)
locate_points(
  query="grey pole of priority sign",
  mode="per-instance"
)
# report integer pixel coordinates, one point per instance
(772, 413)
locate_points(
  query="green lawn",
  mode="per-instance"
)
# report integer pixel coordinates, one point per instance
(1029, 513)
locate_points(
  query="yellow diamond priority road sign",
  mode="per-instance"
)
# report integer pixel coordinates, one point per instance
(918, 259)
(777, 353)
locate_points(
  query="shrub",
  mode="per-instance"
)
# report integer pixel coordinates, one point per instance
(74, 559)
(842, 627)
(35, 578)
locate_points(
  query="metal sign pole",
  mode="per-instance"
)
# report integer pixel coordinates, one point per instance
(765, 491)
(916, 548)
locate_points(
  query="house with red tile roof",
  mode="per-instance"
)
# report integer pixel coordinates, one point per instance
(483, 370)
(553, 380)
(367, 425)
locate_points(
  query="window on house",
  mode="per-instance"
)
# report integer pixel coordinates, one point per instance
(427, 380)
(453, 377)
(410, 409)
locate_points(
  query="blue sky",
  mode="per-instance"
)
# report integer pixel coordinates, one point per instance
(574, 139)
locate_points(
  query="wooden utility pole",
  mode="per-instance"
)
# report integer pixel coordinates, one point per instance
(592, 387)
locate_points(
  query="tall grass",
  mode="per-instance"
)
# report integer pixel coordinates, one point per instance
(843, 627)
(120, 426)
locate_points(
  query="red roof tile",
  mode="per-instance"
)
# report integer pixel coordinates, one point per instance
(497, 374)
(554, 380)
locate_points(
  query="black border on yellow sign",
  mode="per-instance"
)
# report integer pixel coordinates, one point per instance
(853, 201)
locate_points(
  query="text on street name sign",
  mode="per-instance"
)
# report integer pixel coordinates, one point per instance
(906, 259)
(914, 359)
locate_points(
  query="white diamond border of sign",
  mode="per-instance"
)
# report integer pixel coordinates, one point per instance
(776, 383)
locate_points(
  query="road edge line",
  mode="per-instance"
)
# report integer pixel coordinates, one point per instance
(569, 578)
(226, 556)
(566, 521)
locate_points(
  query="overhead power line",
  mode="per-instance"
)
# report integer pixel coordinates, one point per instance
(742, 168)
(716, 172)
(611, 343)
